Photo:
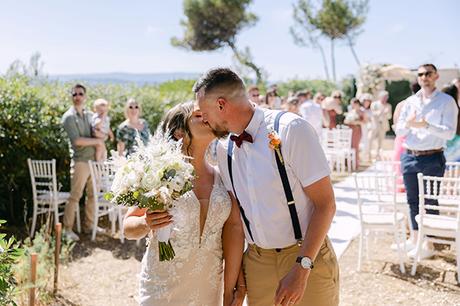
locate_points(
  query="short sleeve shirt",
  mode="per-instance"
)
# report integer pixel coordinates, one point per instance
(257, 181)
(76, 126)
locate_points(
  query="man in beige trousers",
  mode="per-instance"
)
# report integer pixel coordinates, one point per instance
(275, 167)
(77, 124)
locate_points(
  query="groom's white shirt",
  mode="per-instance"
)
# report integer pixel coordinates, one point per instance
(257, 182)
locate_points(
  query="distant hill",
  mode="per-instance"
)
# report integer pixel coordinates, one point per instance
(124, 78)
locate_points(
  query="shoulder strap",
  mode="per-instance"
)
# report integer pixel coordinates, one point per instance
(287, 187)
(230, 172)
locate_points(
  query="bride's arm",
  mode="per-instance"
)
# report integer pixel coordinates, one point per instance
(233, 246)
(139, 222)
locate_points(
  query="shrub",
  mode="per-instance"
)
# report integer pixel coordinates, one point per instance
(30, 127)
(9, 255)
(314, 86)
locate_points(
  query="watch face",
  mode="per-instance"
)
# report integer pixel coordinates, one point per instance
(306, 263)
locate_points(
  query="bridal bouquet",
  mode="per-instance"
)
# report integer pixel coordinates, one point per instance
(153, 177)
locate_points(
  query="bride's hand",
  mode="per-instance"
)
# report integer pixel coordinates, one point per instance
(157, 219)
(238, 296)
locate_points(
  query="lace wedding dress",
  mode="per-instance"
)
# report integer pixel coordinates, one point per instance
(195, 275)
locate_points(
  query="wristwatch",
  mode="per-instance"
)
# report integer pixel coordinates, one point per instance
(305, 262)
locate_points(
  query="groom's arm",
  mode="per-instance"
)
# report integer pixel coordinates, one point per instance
(304, 155)
(292, 286)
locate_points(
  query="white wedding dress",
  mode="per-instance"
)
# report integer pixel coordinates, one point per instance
(195, 275)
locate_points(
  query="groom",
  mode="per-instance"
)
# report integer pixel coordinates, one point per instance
(277, 171)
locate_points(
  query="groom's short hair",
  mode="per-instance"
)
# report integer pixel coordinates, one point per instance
(223, 81)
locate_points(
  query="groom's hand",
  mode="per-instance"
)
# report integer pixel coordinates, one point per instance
(292, 287)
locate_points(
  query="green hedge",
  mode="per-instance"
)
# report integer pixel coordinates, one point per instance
(30, 128)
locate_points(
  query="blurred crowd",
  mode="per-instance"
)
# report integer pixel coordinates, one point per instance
(368, 116)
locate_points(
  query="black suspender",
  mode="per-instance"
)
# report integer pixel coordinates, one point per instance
(230, 172)
(287, 186)
(284, 180)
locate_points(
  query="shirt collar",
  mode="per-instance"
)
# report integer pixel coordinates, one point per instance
(419, 94)
(255, 122)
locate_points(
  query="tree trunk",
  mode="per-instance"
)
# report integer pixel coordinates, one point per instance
(333, 61)
(244, 61)
(350, 44)
(323, 56)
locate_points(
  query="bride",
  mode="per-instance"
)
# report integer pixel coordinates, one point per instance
(207, 230)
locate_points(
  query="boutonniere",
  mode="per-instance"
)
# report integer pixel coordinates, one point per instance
(275, 143)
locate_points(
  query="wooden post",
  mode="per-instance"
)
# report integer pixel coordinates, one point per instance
(33, 278)
(57, 252)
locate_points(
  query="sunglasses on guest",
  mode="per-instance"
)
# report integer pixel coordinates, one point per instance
(77, 94)
(337, 97)
(427, 74)
(133, 107)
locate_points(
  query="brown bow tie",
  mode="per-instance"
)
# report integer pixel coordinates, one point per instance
(245, 136)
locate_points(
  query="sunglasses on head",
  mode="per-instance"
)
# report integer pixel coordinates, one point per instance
(133, 107)
(78, 94)
(427, 74)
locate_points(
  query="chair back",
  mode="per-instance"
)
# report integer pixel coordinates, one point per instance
(102, 174)
(43, 178)
(376, 194)
(452, 170)
(442, 189)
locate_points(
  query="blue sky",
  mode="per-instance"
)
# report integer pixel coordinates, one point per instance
(134, 36)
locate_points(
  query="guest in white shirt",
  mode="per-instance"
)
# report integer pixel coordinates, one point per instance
(311, 111)
(380, 124)
(428, 119)
(366, 100)
(278, 270)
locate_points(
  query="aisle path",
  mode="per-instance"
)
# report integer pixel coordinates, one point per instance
(345, 225)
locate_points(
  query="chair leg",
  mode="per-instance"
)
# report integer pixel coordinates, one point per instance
(457, 250)
(120, 224)
(113, 216)
(34, 221)
(77, 214)
(56, 213)
(401, 248)
(95, 221)
(360, 250)
(368, 237)
(417, 251)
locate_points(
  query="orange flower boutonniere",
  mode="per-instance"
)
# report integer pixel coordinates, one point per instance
(275, 143)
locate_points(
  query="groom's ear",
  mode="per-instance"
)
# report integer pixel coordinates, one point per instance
(221, 102)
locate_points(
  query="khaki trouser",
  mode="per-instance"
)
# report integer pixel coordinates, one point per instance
(80, 176)
(264, 269)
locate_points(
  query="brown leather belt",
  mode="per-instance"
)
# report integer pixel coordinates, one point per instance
(424, 153)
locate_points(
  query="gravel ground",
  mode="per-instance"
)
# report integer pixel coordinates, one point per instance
(105, 273)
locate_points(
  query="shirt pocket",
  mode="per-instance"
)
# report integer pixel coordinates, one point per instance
(433, 116)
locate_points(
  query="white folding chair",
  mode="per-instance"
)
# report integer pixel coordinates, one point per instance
(102, 174)
(452, 170)
(444, 229)
(377, 211)
(45, 194)
(389, 167)
(336, 145)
